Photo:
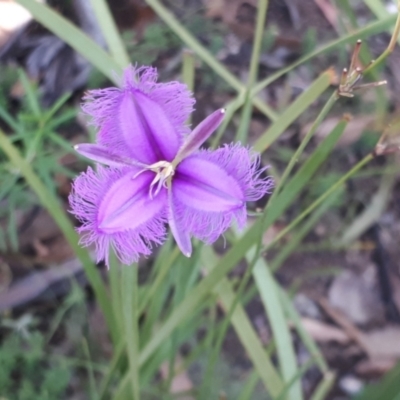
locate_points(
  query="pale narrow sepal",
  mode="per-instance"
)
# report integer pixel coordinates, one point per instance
(181, 237)
(102, 155)
(199, 135)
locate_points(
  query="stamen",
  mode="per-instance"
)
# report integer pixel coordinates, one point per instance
(164, 170)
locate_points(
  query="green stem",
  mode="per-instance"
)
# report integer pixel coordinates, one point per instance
(296, 156)
(110, 31)
(188, 72)
(53, 207)
(320, 199)
(129, 287)
(375, 27)
(242, 132)
(390, 47)
(177, 27)
(293, 161)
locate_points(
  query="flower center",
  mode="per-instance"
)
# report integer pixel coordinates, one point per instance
(164, 171)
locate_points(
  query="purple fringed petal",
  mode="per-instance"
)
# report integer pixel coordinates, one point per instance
(202, 184)
(242, 167)
(115, 211)
(144, 120)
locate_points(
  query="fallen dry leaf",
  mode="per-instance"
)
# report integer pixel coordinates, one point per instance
(352, 133)
(329, 11)
(181, 381)
(383, 343)
(322, 332)
(375, 367)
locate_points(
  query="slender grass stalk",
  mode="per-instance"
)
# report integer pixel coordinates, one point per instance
(53, 207)
(226, 263)
(309, 343)
(324, 386)
(366, 31)
(238, 318)
(391, 45)
(296, 239)
(114, 278)
(176, 26)
(231, 108)
(188, 68)
(74, 36)
(320, 199)
(294, 111)
(119, 352)
(129, 286)
(188, 71)
(248, 389)
(92, 382)
(110, 31)
(238, 298)
(242, 132)
(159, 279)
(296, 156)
(269, 294)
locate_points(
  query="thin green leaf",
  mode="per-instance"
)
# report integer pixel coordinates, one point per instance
(293, 111)
(387, 389)
(129, 286)
(325, 386)
(204, 54)
(304, 335)
(242, 132)
(284, 344)
(73, 36)
(52, 205)
(364, 32)
(110, 32)
(249, 339)
(31, 97)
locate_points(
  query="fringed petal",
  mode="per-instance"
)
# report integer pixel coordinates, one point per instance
(116, 212)
(204, 185)
(243, 176)
(144, 120)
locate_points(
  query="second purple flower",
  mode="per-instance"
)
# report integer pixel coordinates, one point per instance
(153, 172)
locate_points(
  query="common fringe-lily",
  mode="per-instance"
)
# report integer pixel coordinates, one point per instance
(152, 171)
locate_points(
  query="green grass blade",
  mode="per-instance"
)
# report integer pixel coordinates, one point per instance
(296, 239)
(237, 252)
(294, 111)
(249, 339)
(30, 93)
(242, 132)
(190, 41)
(249, 387)
(110, 32)
(75, 37)
(306, 171)
(129, 287)
(365, 32)
(307, 340)
(52, 205)
(325, 386)
(284, 344)
(9, 120)
(387, 389)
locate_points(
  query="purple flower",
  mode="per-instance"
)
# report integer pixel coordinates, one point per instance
(154, 172)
